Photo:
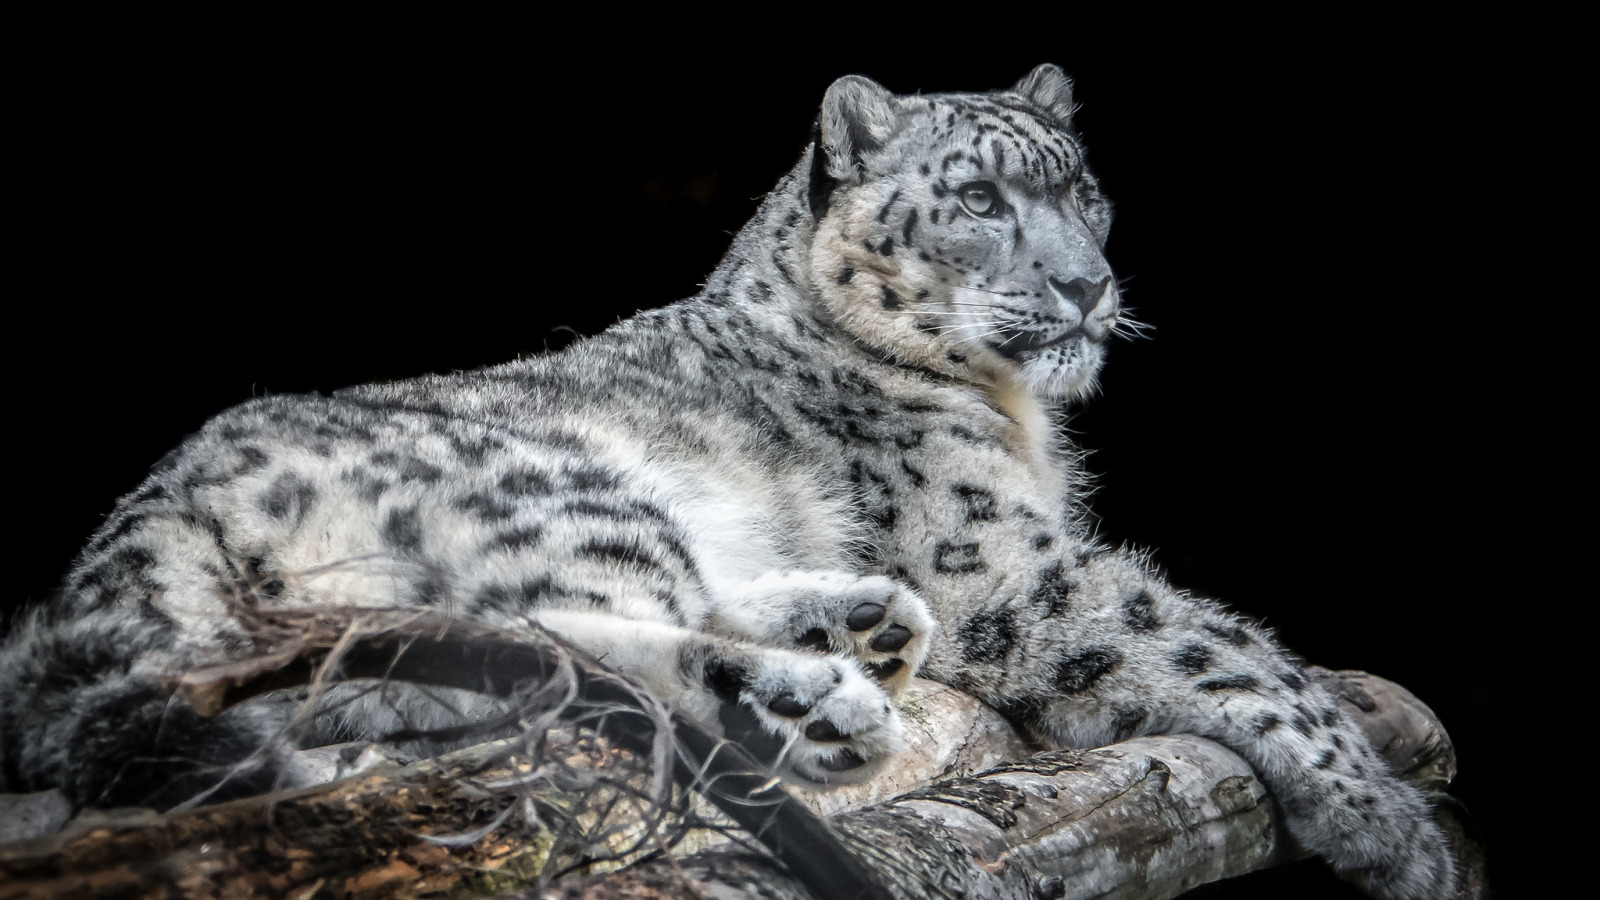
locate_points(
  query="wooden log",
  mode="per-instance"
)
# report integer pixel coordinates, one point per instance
(1145, 819)
(1148, 817)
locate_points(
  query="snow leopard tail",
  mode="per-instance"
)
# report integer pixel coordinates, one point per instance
(78, 715)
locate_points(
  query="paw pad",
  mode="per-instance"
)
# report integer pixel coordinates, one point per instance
(823, 730)
(785, 704)
(885, 670)
(890, 639)
(819, 719)
(873, 619)
(815, 639)
(864, 616)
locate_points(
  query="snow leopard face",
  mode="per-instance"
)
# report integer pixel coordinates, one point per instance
(962, 232)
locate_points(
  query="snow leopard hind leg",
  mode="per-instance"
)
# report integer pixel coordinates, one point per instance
(1106, 650)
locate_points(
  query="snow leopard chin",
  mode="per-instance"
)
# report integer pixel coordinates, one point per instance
(1068, 373)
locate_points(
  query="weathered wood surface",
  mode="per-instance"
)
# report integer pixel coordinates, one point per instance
(1151, 817)
(565, 801)
(1145, 818)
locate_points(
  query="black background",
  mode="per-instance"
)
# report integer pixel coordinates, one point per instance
(1314, 223)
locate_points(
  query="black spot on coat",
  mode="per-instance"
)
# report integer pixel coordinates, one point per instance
(287, 498)
(488, 507)
(526, 483)
(1139, 614)
(1304, 721)
(126, 524)
(590, 478)
(1079, 671)
(980, 503)
(1192, 659)
(1024, 712)
(1229, 683)
(518, 539)
(253, 459)
(414, 469)
(987, 635)
(1053, 590)
(957, 559)
(1231, 633)
(626, 552)
(1129, 721)
(519, 597)
(726, 678)
(917, 478)
(402, 529)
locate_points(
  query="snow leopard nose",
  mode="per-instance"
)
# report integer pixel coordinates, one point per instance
(1081, 292)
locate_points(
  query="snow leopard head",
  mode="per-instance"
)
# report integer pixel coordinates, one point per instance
(963, 232)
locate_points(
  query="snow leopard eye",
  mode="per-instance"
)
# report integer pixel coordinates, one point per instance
(981, 198)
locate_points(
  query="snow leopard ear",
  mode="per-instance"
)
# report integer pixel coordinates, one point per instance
(858, 118)
(1051, 90)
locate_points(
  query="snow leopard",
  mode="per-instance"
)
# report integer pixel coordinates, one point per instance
(839, 465)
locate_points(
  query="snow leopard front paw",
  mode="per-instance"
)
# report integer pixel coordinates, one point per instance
(818, 720)
(875, 620)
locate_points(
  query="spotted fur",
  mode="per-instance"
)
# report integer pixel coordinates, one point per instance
(772, 502)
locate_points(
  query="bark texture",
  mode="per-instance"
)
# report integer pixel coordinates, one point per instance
(551, 815)
(1148, 818)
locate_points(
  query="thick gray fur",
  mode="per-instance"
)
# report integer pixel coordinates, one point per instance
(848, 441)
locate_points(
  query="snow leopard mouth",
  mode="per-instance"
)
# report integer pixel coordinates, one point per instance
(1019, 344)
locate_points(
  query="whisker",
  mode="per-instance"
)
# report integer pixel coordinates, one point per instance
(975, 323)
(1126, 326)
(989, 332)
(973, 317)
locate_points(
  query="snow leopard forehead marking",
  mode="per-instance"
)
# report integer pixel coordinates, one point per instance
(994, 135)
